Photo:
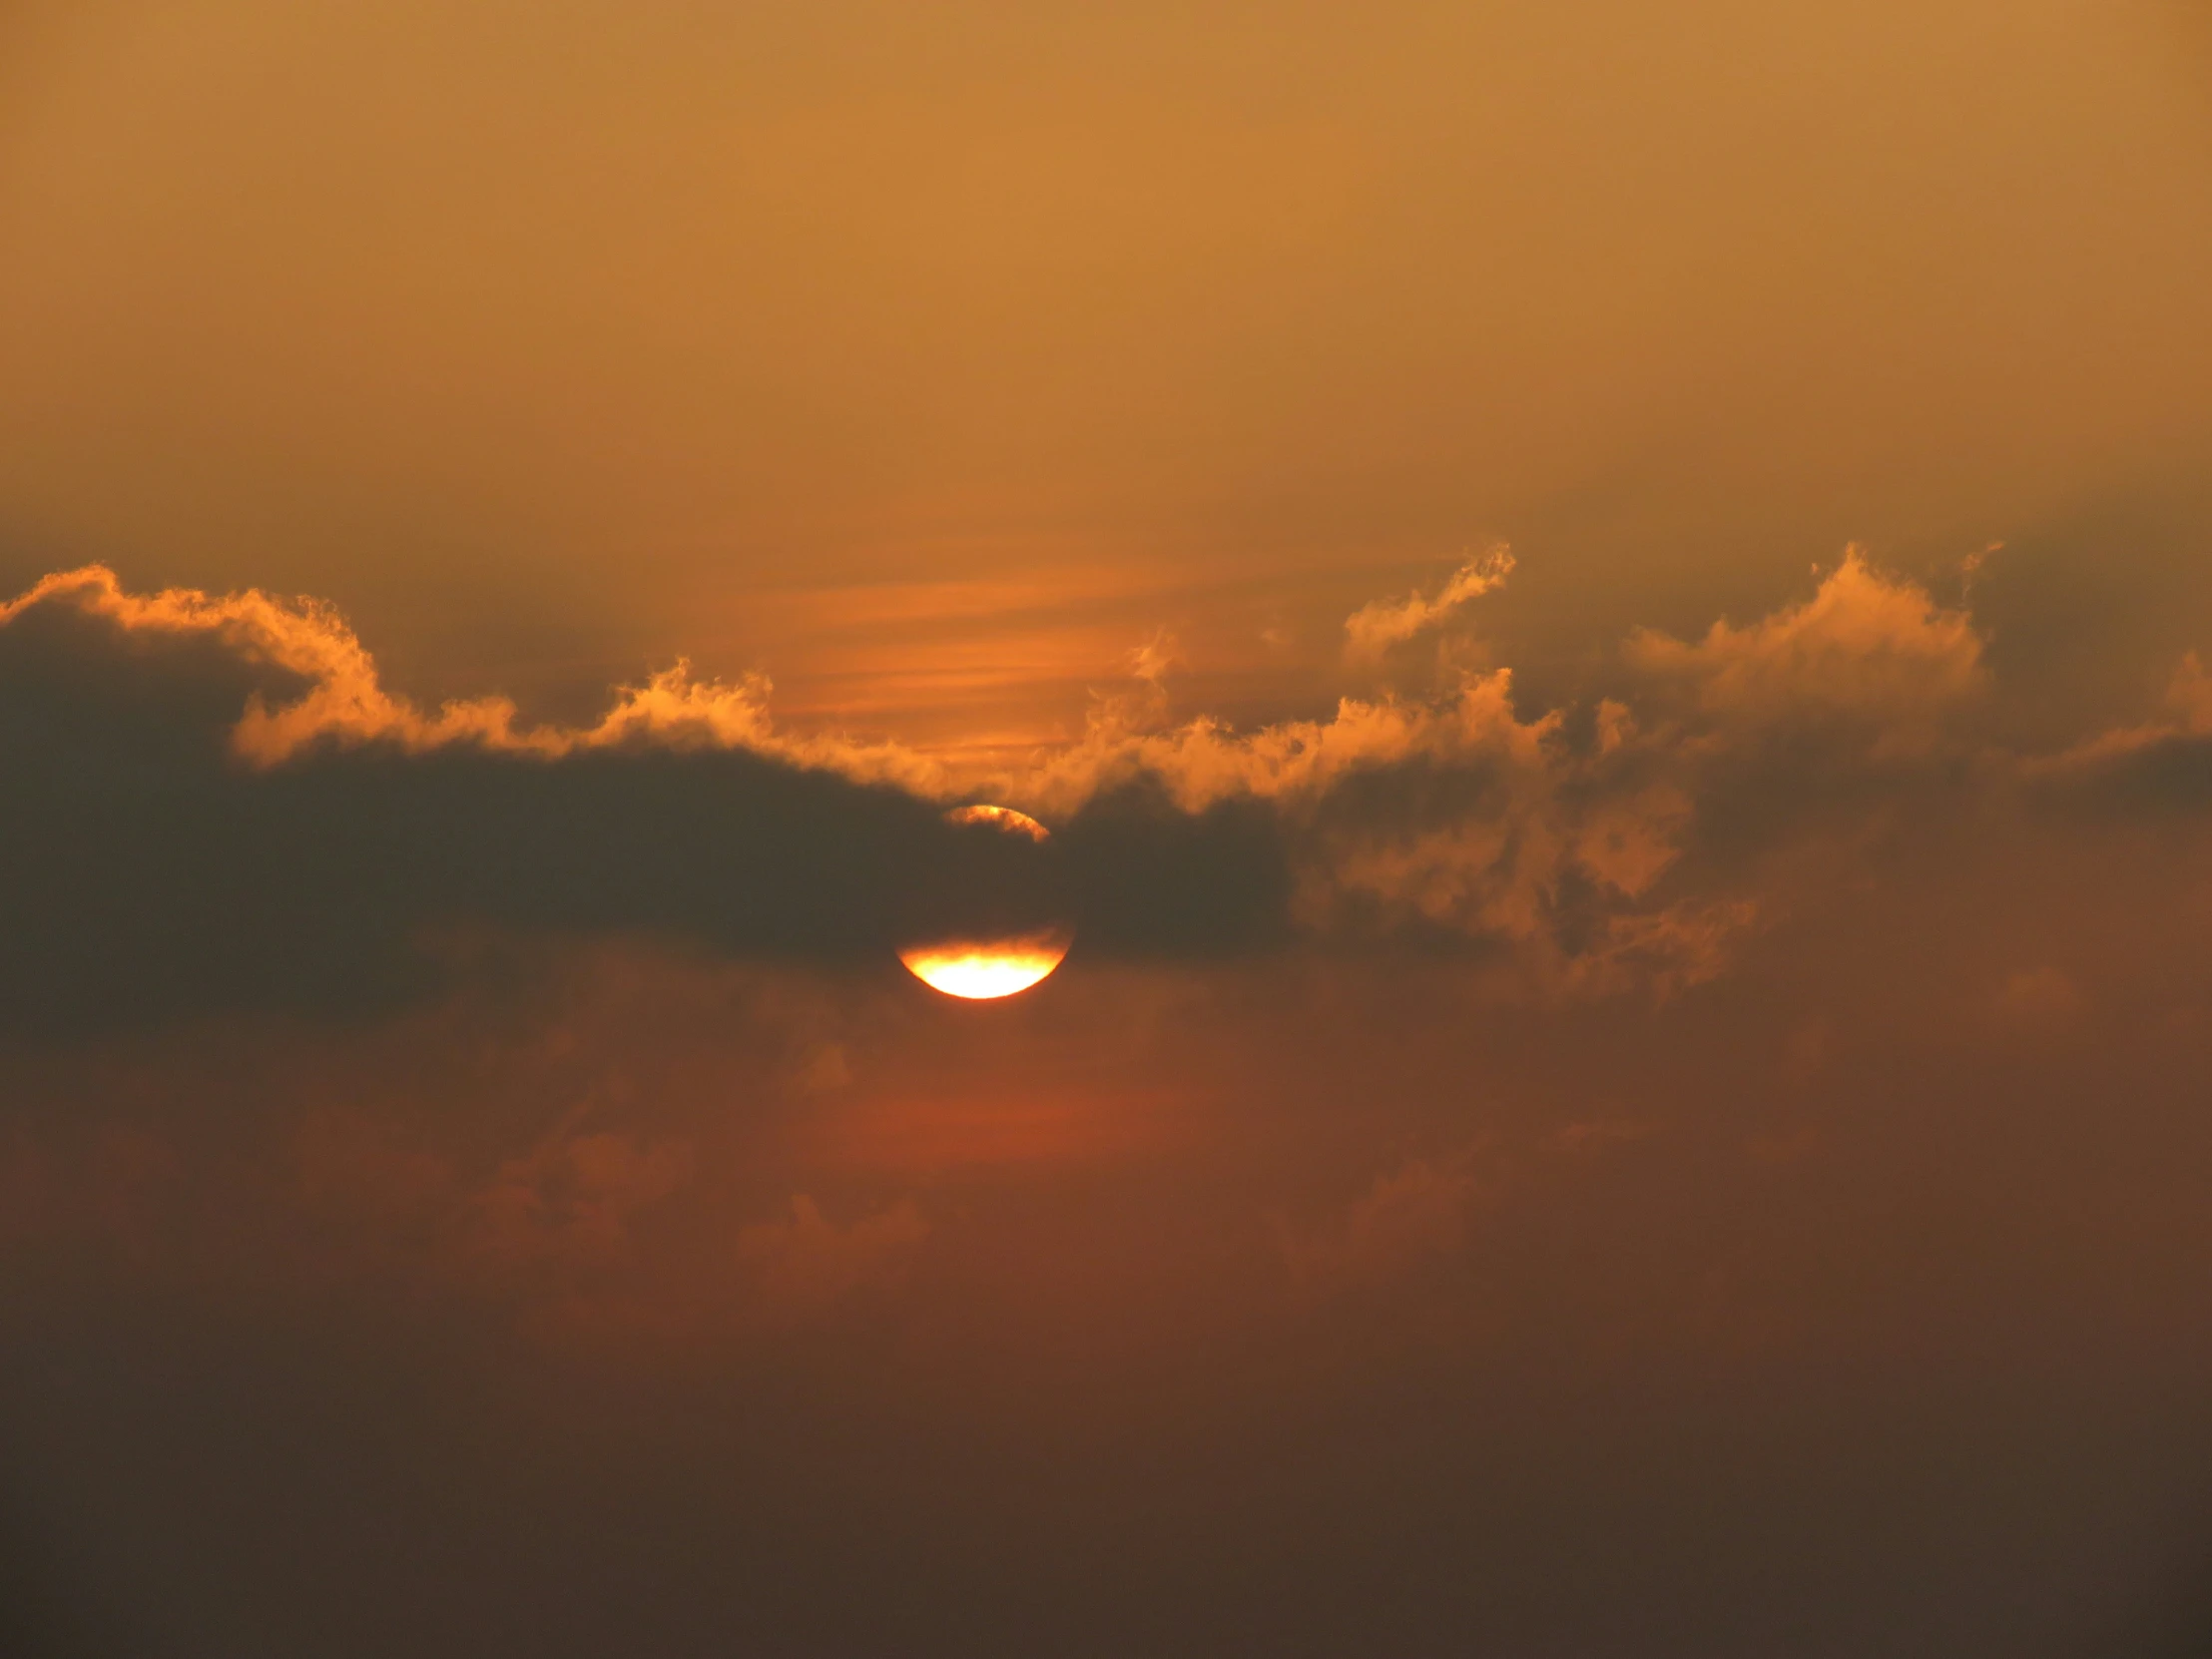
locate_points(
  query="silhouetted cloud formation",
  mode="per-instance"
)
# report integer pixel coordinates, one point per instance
(215, 804)
(167, 856)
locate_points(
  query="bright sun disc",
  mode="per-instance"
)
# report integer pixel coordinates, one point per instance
(985, 968)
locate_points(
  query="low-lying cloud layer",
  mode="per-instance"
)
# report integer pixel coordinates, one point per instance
(218, 804)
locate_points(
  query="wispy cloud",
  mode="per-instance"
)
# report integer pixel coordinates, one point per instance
(1375, 627)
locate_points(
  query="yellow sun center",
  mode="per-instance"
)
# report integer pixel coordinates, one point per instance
(982, 968)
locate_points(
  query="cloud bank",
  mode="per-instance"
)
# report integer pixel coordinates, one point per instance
(218, 805)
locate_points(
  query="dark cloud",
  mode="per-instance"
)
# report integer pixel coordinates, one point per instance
(1153, 880)
(213, 806)
(152, 871)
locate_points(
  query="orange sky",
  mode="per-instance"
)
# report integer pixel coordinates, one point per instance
(554, 344)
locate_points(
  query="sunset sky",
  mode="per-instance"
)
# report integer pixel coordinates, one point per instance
(1602, 615)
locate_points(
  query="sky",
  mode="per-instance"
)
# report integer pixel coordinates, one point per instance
(1607, 607)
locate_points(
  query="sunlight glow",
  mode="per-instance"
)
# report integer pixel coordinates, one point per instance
(982, 968)
(1003, 817)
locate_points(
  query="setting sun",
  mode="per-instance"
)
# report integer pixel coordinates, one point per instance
(985, 968)
(996, 959)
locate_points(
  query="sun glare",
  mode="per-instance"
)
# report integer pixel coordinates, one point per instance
(985, 968)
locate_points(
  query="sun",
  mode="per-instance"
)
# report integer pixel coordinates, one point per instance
(1002, 818)
(980, 969)
(983, 968)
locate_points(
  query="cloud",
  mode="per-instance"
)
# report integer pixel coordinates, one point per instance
(1868, 654)
(1151, 661)
(2166, 757)
(1453, 821)
(1553, 837)
(1588, 850)
(219, 807)
(338, 699)
(1375, 627)
(213, 806)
